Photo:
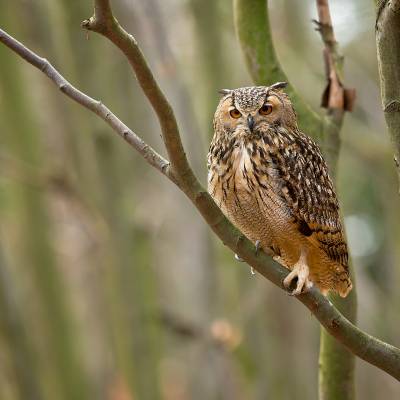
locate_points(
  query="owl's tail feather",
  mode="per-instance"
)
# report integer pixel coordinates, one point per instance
(343, 285)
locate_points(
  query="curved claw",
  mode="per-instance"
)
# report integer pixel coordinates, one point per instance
(300, 272)
(237, 258)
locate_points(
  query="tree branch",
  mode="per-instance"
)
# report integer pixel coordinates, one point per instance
(336, 98)
(372, 350)
(151, 156)
(254, 33)
(103, 22)
(336, 363)
(388, 48)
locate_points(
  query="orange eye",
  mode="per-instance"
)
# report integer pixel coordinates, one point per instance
(235, 113)
(265, 109)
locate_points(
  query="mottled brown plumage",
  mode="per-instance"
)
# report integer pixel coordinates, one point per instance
(272, 182)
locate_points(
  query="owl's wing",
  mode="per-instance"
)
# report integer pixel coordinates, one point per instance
(300, 175)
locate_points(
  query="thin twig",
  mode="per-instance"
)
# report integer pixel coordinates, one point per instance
(336, 98)
(335, 95)
(151, 156)
(372, 350)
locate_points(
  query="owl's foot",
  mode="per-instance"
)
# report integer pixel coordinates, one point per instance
(301, 272)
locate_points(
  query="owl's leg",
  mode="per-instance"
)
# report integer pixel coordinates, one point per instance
(301, 272)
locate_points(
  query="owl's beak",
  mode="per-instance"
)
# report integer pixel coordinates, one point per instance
(250, 122)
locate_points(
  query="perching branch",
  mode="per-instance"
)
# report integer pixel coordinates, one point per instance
(388, 48)
(380, 354)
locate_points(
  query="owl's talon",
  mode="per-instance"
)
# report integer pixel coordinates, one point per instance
(257, 244)
(237, 258)
(300, 272)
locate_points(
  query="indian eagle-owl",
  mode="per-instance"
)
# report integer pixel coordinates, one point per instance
(271, 181)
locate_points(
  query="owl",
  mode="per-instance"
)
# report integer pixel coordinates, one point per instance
(272, 183)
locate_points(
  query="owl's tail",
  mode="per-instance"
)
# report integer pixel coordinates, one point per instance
(343, 284)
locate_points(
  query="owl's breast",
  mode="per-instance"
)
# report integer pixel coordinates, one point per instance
(244, 188)
(230, 175)
(237, 185)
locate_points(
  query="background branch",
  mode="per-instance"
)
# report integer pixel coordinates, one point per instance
(254, 33)
(336, 98)
(378, 353)
(388, 49)
(103, 22)
(96, 106)
(336, 363)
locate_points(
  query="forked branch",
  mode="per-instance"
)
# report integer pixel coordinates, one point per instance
(382, 355)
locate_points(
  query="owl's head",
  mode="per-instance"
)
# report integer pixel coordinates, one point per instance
(244, 110)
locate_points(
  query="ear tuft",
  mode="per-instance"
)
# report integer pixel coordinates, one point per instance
(278, 86)
(225, 91)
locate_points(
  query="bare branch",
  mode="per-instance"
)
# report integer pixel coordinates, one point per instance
(372, 350)
(335, 95)
(336, 98)
(103, 22)
(151, 156)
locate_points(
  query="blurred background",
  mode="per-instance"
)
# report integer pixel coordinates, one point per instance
(111, 285)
